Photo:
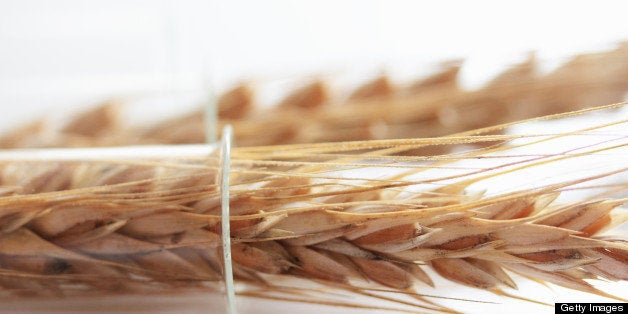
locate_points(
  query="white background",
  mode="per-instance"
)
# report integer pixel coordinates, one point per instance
(55, 54)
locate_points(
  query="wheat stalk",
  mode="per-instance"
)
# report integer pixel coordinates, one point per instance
(360, 217)
(434, 106)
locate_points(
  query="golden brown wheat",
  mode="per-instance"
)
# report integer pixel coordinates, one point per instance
(316, 213)
(434, 106)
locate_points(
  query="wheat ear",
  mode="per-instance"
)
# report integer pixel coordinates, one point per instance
(431, 107)
(360, 217)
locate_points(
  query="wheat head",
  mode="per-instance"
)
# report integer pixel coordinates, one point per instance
(431, 107)
(361, 217)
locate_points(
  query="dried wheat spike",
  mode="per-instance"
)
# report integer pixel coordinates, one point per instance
(434, 106)
(315, 213)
